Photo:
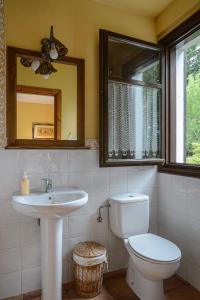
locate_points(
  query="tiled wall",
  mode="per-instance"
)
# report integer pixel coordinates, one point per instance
(179, 220)
(20, 235)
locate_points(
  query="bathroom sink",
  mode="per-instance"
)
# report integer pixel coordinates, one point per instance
(51, 208)
(55, 204)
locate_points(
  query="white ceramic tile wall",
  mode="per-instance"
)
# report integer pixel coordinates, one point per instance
(20, 235)
(179, 220)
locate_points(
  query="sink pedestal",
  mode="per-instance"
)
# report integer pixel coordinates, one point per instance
(51, 248)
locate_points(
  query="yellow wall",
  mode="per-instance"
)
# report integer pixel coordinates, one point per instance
(76, 24)
(66, 81)
(27, 113)
(177, 12)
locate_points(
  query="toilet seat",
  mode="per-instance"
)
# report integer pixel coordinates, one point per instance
(153, 248)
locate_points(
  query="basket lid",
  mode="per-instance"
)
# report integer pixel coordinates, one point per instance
(89, 249)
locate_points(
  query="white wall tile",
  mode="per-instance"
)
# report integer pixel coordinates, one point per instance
(81, 160)
(179, 183)
(115, 243)
(9, 161)
(100, 228)
(152, 192)
(173, 200)
(118, 181)
(98, 199)
(9, 185)
(192, 186)
(7, 213)
(66, 250)
(58, 161)
(31, 280)
(193, 229)
(153, 218)
(82, 180)
(193, 203)
(118, 260)
(183, 269)
(31, 256)
(10, 260)
(153, 228)
(59, 179)
(179, 221)
(100, 180)
(66, 227)
(29, 232)
(34, 161)
(102, 239)
(9, 236)
(10, 285)
(141, 178)
(80, 225)
(164, 180)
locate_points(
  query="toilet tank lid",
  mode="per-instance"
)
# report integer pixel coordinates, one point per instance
(128, 197)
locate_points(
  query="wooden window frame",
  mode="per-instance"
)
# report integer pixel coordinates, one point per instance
(104, 160)
(180, 33)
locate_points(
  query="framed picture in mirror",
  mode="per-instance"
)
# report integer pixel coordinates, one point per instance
(43, 131)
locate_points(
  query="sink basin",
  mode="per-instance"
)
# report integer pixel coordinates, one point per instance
(51, 208)
(55, 204)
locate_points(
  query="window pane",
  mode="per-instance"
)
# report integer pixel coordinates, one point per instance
(186, 111)
(133, 61)
(134, 121)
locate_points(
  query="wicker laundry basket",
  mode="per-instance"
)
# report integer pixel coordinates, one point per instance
(89, 263)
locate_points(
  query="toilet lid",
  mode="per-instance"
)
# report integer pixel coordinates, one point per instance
(154, 247)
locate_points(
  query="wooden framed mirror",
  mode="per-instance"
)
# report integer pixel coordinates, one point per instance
(44, 113)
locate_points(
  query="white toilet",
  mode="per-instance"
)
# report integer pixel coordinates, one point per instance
(152, 258)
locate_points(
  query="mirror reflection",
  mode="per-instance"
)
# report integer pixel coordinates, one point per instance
(47, 108)
(130, 61)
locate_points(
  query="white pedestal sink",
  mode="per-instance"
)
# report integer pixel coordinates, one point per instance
(50, 208)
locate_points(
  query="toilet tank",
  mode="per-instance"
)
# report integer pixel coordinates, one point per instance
(129, 214)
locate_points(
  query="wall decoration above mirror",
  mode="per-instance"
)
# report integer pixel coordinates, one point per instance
(44, 113)
(130, 101)
(51, 49)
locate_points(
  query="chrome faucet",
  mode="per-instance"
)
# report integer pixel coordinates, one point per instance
(48, 185)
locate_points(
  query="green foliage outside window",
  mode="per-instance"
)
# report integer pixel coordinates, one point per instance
(193, 105)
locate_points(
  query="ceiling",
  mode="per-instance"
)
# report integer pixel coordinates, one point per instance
(150, 8)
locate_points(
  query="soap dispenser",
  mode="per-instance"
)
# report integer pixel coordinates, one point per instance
(25, 185)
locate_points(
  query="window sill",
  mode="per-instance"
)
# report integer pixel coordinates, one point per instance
(130, 162)
(181, 170)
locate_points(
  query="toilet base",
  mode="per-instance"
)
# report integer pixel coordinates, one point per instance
(145, 289)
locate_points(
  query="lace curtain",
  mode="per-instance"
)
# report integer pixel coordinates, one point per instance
(134, 124)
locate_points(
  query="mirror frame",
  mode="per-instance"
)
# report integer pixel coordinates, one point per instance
(104, 160)
(11, 92)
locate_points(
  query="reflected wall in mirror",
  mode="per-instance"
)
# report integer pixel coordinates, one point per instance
(44, 112)
(130, 95)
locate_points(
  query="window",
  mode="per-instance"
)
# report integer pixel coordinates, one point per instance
(183, 98)
(130, 94)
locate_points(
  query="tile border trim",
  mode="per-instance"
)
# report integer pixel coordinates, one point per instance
(2, 77)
